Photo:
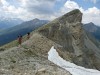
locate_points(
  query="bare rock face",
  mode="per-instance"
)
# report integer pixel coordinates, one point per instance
(68, 32)
(64, 29)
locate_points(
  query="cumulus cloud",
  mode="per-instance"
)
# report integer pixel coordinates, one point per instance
(10, 11)
(39, 6)
(0, 2)
(68, 6)
(90, 15)
(29, 9)
(4, 2)
(44, 9)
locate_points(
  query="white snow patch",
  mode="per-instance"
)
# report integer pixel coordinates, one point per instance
(54, 57)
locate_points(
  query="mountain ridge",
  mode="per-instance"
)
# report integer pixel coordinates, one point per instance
(67, 35)
(92, 29)
(10, 22)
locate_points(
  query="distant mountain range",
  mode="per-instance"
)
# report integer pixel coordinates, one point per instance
(93, 29)
(9, 22)
(12, 33)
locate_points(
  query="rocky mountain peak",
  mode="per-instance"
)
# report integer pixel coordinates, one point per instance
(72, 16)
(66, 27)
(91, 27)
(36, 19)
(68, 32)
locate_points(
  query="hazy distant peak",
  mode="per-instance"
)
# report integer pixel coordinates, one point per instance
(91, 27)
(91, 23)
(36, 19)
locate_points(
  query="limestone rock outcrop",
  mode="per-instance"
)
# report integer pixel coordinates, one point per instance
(68, 32)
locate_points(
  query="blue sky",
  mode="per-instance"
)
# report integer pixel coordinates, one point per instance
(88, 3)
(82, 3)
(49, 9)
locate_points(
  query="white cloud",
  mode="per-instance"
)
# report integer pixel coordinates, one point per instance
(0, 2)
(29, 9)
(90, 15)
(39, 6)
(10, 11)
(4, 2)
(71, 5)
(44, 9)
(94, 1)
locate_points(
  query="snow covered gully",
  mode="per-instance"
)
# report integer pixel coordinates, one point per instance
(54, 57)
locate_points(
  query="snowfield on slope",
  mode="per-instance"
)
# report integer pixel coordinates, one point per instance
(54, 57)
